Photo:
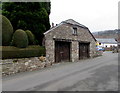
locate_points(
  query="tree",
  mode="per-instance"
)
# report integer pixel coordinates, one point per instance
(28, 15)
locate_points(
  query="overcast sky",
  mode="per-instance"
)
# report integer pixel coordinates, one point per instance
(97, 15)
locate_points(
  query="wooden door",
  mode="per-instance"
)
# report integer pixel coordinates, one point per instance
(83, 50)
(62, 51)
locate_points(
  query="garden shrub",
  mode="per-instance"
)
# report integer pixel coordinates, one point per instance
(20, 38)
(30, 51)
(7, 31)
(31, 37)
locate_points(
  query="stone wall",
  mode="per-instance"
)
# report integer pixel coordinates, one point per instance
(13, 66)
(49, 51)
(75, 51)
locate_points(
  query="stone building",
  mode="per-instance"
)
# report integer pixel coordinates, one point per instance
(107, 42)
(69, 41)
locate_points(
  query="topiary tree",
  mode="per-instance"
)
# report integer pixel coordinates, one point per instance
(31, 37)
(7, 31)
(20, 38)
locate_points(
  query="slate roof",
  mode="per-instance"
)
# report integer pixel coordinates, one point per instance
(107, 40)
(69, 21)
(72, 22)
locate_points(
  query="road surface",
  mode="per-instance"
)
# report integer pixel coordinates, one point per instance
(97, 74)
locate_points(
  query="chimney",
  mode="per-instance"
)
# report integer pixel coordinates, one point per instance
(52, 24)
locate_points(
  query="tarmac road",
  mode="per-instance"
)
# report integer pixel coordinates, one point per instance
(97, 74)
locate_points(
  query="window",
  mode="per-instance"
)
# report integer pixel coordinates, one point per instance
(74, 30)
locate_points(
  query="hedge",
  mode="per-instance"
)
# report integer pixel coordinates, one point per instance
(30, 51)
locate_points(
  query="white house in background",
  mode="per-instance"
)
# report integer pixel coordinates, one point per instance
(106, 42)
